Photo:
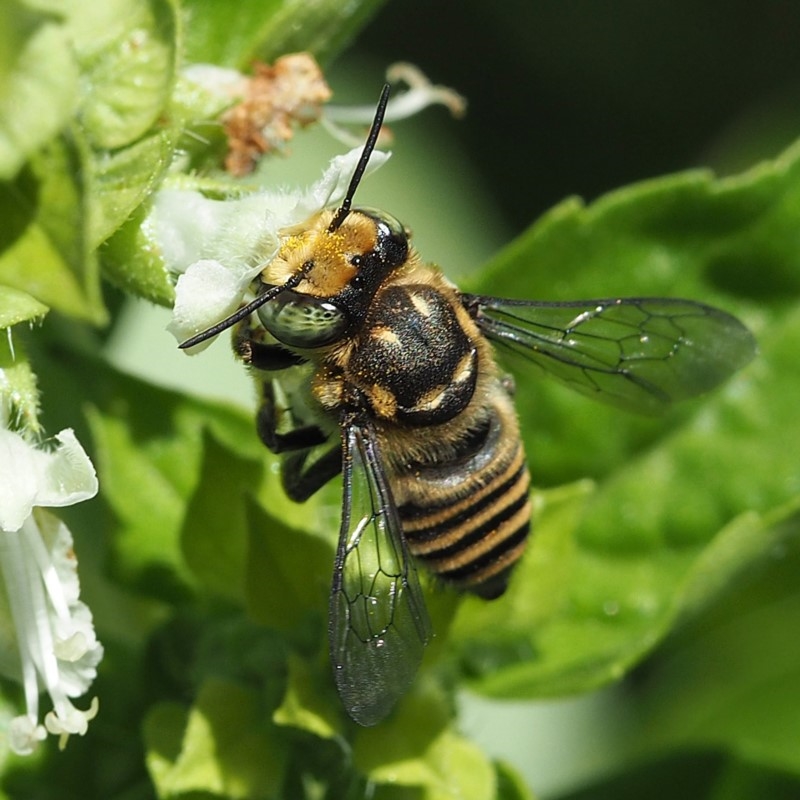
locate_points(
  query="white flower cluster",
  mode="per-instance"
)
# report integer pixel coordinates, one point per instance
(242, 235)
(52, 645)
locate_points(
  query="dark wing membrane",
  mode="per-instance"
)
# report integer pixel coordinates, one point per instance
(378, 624)
(638, 353)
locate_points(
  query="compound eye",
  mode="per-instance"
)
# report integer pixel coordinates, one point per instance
(391, 243)
(393, 225)
(299, 320)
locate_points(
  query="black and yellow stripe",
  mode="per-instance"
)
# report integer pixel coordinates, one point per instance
(472, 529)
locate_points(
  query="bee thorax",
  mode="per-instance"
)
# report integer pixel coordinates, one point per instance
(414, 362)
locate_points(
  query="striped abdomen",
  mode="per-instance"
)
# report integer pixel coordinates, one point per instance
(468, 520)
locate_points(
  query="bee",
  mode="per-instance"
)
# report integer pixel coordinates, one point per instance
(389, 366)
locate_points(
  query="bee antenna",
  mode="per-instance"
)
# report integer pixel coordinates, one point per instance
(369, 146)
(243, 312)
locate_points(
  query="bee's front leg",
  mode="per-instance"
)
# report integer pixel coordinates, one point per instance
(267, 356)
(269, 419)
(249, 346)
(300, 479)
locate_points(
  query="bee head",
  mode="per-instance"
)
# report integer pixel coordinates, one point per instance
(328, 269)
(340, 270)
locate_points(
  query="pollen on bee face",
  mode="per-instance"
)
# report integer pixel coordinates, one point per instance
(331, 245)
(292, 244)
(294, 247)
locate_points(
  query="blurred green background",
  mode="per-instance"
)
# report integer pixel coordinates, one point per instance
(579, 97)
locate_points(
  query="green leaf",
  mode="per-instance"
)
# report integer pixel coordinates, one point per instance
(692, 774)
(39, 83)
(126, 50)
(144, 481)
(281, 573)
(690, 231)
(17, 306)
(267, 29)
(510, 784)
(120, 183)
(150, 445)
(78, 192)
(740, 780)
(288, 570)
(214, 531)
(728, 680)
(19, 393)
(219, 747)
(686, 235)
(44, 249)
(418, 748)
(418, 720)
(132, 262)
(307, 705)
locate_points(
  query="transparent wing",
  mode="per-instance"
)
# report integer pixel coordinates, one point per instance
(378, 624)
(638, 353)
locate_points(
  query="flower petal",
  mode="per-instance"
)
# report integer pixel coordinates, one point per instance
(181, 222)
(207, 292)
(18, 480)
(24, 735)
(331, 188)
(420, 94)
(53, 646)
(75, 643)
(65, 476)
(187, 227)
(69, 720)
(30, 476)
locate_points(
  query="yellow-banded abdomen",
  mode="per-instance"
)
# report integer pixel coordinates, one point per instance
(467, 519)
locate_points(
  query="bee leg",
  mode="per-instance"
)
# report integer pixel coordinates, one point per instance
(271, 358)
(301, 481)
(268, 421)
(268, 357)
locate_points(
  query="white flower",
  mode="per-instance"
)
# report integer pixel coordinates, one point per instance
(220, 81)
(419, 95)
(51, 644)
(30, 476)
(217, 247)
(228, 85)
